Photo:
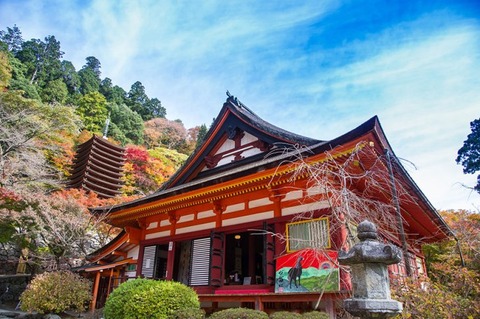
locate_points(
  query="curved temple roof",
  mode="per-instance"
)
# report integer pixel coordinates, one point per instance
(238, 132)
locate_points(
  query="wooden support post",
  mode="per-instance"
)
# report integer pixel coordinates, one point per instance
(93, 304)
(170, 260)
(172, 218)
(258, 303)
(110, 282)
(330, 308)
(218, 210)
(276, 197)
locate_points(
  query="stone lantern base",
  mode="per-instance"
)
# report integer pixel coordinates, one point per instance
(372, 308)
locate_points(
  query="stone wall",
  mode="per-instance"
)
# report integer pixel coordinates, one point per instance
(11, 287)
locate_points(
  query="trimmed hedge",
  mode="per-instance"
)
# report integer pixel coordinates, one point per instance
(239, 313)
(315, 315)
(145, 298)
(285, 315)
(190, 313)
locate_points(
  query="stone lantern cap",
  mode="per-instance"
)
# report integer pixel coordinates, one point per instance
(369, 249)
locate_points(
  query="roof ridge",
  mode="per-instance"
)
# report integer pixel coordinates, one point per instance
(238, 103)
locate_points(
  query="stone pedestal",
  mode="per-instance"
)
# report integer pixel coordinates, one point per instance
(368, 262)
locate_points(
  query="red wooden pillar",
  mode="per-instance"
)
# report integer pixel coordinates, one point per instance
(218, 210)
(339, 241)
(276, 197)
(93, 304)
(170, 260)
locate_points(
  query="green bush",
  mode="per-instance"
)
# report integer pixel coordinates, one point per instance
(146, 298)
(285, 315)
(189, 313)
(239, 313)
(56, 292)
(315, 315)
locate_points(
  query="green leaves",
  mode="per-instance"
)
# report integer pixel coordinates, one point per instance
(469, 153)
(147, 298)
(92, 109)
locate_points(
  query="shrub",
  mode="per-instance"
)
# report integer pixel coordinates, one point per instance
(56, 292)
(315, 315)
(432, 300)
(146, 298)
(189, 313)
(239, 313)
(285, 315)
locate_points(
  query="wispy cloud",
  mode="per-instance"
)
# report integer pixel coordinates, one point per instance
(318, 68)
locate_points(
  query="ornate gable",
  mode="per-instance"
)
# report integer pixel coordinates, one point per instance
(237, 136)
(236, 146)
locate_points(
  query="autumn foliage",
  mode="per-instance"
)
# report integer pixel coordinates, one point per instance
(146, 170)
(452, 289)
(56, 292)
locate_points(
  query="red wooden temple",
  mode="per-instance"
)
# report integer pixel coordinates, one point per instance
(237, 217)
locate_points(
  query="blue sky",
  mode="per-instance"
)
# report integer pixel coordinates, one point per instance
(317, 68)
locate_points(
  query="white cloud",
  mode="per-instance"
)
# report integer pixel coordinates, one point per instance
(420, 76)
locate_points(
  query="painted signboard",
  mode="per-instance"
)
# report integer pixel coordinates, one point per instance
(307, 270)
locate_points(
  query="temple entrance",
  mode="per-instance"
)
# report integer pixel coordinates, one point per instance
(244, 259)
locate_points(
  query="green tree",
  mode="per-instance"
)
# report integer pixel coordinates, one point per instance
(126, 125)
(92, 108)
(12, 38)
(90, 76)
(469, 153)
(118, 95)
(18, 80)
(202, 133)
(93, 64)
(55, 91)
(42, 59)
(137, 98)
(5, 70)
(155, 109)
(139, 102)
(70, 77)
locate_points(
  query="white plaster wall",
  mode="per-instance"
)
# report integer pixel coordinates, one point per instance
(234, 208)
(315, 190)
(133, 253)
(246, 219)
(152, 225)
(205, 214)
(186, 218)
(165, 222)
(304, 208)
(259, 202)
(228, 145)
(195, 228)
(158, 234)
(294, 195)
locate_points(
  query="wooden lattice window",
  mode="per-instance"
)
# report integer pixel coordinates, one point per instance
(313, 233)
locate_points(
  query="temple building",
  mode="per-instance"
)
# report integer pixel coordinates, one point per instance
(256, 217)
(98, 167)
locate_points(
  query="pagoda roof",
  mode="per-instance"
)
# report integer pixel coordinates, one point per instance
(98, 167)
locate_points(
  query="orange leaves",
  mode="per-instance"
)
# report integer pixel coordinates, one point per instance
(145, 171)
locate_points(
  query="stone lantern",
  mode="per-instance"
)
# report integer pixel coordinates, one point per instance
(368, 262)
